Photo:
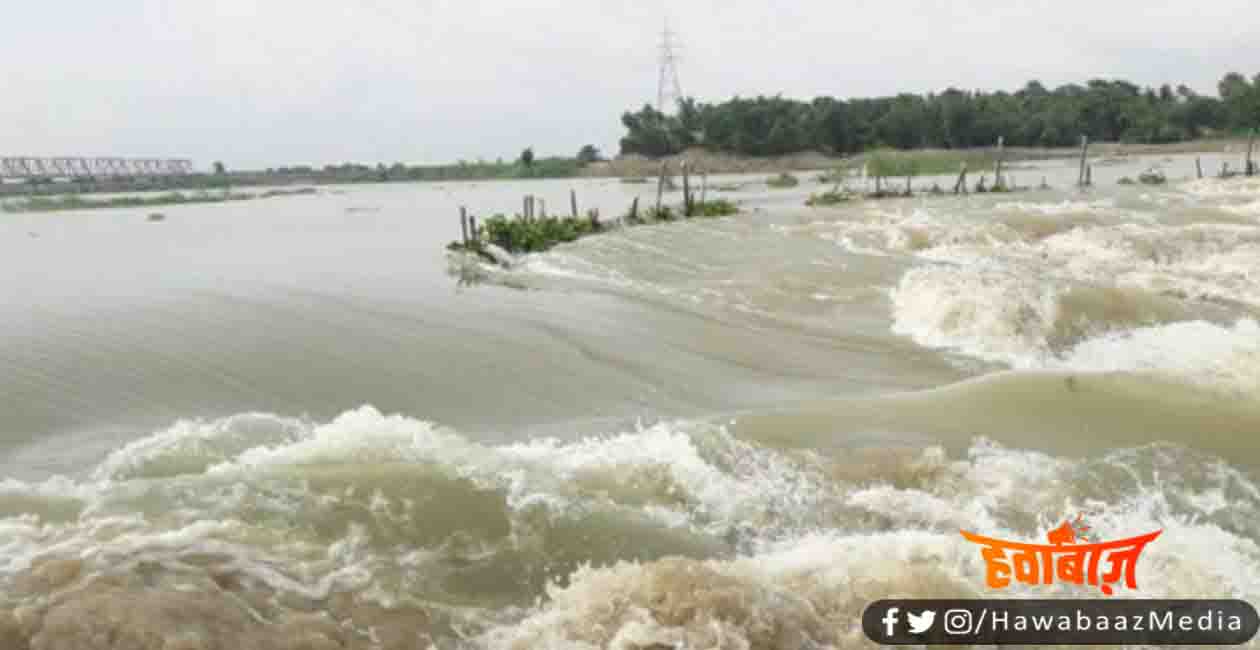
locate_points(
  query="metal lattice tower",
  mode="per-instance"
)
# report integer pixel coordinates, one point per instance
(668, 89)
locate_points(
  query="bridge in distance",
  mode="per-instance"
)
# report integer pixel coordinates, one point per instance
(27, 167)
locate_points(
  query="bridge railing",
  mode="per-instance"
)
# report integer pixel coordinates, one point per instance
(79, 167)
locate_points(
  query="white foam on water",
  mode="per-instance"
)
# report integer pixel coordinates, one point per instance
(809, 591)
(1216, 188)
(1203, 353)
(817, 549)
(191, 446)
(1123, 294)
(996, 315)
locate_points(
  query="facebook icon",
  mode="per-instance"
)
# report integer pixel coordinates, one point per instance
(890, 620)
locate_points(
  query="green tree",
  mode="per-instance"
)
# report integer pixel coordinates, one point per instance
(527, 157)
(219, 169)
(588, 154)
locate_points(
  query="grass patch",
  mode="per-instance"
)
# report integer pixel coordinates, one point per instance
(517, 235)
(714, 208)
(890, 162)
(783, 181)
(834, 196)
(521, 236)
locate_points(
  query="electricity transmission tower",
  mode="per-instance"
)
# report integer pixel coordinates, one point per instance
(668, 90)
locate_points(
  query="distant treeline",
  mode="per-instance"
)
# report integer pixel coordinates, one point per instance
(464, 170)
(526, 166)
(1034, 116)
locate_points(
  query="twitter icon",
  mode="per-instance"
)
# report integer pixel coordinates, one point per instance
(922, 622)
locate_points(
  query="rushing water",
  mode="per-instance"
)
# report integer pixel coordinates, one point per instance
(294, 423)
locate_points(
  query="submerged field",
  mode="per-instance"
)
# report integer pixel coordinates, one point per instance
(57, 203)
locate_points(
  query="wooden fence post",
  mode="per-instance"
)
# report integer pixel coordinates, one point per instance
(960, 187)
(1198, 165)
(660, 187)
(1082, 178)
(1251, 142)
(463, 223)
(998, 182)
(573, 202)
(634, 210)
(472, 229)
(686, 190)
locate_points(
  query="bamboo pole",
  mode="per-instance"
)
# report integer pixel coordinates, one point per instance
(704, 187)
(1082, 179)
(463, 223)
(1198, 166)
(960, 187)
(573, 202)
(472, 229)
(1089, 175)
(686, 190)
(542, 208)
(634, 210)
(660, 187)
(527, 204)
(998, 183)
(1251, 142)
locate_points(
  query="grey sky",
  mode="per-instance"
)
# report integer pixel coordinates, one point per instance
(267, 82)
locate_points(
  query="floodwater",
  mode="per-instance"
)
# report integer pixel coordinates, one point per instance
(295, 423)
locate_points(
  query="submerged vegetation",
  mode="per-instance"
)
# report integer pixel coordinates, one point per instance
(714, 208)
(834, 196)
(783, 181)
(890, 162)
(76, 202)
(527, 234)
(521, 236)
(1033, 116)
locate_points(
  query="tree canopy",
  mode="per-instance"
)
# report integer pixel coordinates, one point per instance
(588, 154)
(1109, 110)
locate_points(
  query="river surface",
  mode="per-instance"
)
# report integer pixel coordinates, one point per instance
(296, 423)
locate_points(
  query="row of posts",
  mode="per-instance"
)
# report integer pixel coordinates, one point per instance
(535, 207)
(1249, 166)
(689, 199)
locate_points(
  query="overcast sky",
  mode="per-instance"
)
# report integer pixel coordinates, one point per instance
(258, 83)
